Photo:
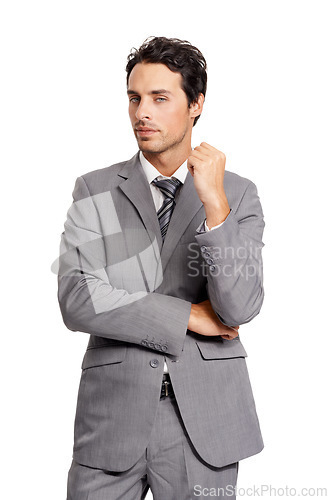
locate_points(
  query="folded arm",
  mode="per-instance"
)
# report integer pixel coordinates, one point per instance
(232, 254)
(88, 301)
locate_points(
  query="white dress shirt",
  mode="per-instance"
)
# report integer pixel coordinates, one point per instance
(152, 173)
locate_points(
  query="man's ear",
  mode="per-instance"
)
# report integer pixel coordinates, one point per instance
(196, 107)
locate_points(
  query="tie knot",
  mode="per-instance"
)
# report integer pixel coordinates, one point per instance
(168, 186)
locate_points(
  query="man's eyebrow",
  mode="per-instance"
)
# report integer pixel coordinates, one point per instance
(152, 92)
(160, 91)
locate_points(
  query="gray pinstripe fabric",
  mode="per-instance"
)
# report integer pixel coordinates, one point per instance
(169, 467)
(137, 315)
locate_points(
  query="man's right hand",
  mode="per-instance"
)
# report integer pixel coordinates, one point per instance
(204, 321)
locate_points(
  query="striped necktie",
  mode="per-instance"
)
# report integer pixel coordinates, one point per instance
(169, 188)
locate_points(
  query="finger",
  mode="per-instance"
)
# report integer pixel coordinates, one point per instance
(190, 168)
(197, 153)
(229, 337)
(204, 151)
(196, 162)
(209, 147)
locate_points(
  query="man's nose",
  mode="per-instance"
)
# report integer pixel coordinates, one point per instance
(143, 111)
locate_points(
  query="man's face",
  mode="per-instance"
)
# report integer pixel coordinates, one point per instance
(158, 108)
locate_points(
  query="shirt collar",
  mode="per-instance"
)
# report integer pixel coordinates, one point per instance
(152, 173)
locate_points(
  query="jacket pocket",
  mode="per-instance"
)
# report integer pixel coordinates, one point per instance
(221, 349)
(103, 356)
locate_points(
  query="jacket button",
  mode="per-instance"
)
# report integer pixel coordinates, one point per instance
(154, 363)
(212, 268)
(203, 248)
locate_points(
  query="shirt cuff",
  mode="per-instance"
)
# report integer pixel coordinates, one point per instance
(203, 227)
(214, 227)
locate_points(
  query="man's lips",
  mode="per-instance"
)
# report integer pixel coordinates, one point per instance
(144, 131)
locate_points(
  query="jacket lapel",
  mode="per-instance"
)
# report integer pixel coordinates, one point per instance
(187, 205)
(137, 189)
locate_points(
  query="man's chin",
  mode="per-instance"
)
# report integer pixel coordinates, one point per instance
(147, 147)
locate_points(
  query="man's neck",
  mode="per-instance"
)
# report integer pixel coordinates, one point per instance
(168, 161)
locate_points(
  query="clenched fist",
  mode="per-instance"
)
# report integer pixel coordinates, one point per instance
(207, 165)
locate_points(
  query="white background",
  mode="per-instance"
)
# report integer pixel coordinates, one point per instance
(64, 113)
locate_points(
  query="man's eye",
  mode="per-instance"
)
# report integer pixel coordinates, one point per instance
(134, 99)
(161, 99)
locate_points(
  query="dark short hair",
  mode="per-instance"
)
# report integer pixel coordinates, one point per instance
(179, 56)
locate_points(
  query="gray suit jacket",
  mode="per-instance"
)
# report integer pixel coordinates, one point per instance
(133, 295)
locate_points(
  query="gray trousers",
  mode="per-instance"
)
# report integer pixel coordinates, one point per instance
(170, 467)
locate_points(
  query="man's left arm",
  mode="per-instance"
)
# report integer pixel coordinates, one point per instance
(232, 251)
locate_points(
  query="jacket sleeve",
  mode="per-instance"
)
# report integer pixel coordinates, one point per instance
(233, 257)
(88, 301)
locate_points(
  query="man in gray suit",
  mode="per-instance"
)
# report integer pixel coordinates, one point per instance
(160, 263)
